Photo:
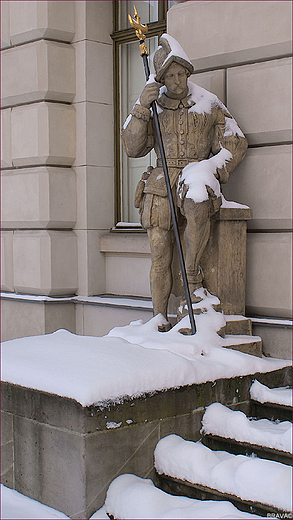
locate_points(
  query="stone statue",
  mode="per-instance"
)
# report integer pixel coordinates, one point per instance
(202, 143)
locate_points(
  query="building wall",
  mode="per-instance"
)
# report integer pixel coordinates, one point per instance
(242, 52)
(57, 160)
(57, 156)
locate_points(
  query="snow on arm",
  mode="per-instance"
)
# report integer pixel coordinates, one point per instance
(204, 100)
(198, 175)
(127, 121)
(231, 127)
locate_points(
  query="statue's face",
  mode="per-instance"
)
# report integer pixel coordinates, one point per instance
(175, 79)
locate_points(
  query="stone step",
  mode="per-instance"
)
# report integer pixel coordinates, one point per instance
(232, 431)
(272, 411)
(244, 343)
(215, 442)
(175, 486)
(192, 469)
(238, 325)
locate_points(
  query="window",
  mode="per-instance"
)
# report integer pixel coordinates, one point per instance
(129, 80)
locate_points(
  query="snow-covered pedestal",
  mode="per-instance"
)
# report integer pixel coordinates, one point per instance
(78, 411)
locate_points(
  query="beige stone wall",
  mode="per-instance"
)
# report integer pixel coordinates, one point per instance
(39, 148)
(56, 154)
(94, 162)
(242, 52)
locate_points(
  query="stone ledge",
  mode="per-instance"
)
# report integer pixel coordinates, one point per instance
(66, 413)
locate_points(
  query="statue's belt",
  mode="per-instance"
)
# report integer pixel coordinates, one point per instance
(176, 163)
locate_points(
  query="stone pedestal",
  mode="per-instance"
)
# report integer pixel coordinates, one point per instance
(224, 259)
(65, 455)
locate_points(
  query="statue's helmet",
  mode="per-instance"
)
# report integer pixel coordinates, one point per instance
(169, 50)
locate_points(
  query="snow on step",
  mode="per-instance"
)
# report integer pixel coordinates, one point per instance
(220, 420)
(15, 506)
(263, 394)
(249, 478)
(130, 497)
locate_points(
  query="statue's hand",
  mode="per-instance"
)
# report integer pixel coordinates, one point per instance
(149, 94)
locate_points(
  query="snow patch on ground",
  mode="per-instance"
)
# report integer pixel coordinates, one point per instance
(132, 497)
(263, 394)
(220, 420)
(248, 478)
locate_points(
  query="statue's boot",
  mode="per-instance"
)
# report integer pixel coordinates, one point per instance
(165, 327)
(160, 273)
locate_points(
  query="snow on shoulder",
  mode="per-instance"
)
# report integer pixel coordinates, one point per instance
(132, 497)
(128, 362)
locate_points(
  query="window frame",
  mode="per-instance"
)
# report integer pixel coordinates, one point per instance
(119, 37)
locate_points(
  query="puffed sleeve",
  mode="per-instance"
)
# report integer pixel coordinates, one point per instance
(137, 132)
(228, 135)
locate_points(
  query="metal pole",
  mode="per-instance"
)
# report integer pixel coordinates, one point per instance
(144, 55)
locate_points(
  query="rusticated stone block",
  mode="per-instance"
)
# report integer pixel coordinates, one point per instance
(97, 149)
(214, 81)
(7, 261)
(130, 255)
(43, 133)
(6, 159)
(5, 25)
(91, 85)
(38, 71)
(43, 197)
(94, 21)
(264, 182)
(241, 30)
(269, 275)
(35, 20)
(263, 112)
(45, 262)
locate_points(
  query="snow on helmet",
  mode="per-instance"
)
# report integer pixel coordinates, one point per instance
(169, 51)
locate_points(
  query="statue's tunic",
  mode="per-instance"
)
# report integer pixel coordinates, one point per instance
(192, 129)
